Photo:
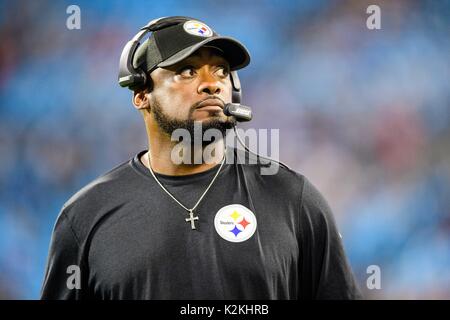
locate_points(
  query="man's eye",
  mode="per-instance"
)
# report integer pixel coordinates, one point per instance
(187, 72)
(223, 71)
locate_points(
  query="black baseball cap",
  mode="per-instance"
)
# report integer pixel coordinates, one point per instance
(174, 43)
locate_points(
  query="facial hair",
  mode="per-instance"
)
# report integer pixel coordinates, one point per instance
(169, 124)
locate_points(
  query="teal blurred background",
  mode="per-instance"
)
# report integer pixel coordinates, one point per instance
(364, 114)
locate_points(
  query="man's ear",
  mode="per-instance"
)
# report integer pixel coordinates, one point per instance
(141, 99)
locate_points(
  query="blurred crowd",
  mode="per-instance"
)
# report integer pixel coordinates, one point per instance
(364, 114)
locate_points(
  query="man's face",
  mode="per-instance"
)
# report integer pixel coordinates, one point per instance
(195, 89)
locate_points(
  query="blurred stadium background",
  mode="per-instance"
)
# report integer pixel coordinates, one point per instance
(364, 114)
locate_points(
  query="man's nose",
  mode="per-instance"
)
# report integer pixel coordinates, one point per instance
(209, 84)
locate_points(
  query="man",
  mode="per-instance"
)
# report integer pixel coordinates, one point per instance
(155, 228)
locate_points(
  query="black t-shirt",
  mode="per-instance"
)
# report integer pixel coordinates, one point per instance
(130, 240)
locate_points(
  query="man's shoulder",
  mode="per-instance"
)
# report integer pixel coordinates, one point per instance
(292, 183)
(101, 191)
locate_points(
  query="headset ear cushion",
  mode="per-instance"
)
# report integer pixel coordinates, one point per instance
(142, 77)
(236, 96)
(139, 81)
(236, 86)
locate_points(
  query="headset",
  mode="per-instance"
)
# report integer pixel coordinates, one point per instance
(134, 78)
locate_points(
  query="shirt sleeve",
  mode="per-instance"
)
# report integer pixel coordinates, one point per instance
(325, 272)
(63, 272)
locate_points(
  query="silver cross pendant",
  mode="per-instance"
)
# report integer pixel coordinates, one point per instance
(191, 218)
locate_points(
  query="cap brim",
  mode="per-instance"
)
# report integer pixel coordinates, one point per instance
(235, 52)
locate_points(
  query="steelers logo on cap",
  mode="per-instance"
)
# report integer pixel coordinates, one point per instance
(197, 28)
(235, 223)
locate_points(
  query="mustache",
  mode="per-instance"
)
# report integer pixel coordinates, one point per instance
(195, 105)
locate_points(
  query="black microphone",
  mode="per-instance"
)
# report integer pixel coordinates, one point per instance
(239, 111)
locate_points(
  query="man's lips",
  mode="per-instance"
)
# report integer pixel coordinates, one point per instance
(212, 104)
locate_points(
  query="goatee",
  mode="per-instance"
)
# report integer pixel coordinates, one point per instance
(169, 125)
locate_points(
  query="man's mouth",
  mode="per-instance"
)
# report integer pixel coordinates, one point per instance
(211, 104)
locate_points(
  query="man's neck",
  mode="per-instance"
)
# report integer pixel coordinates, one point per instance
(160, 157)
(164, 159)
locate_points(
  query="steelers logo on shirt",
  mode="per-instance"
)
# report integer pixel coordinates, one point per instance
(235, 223)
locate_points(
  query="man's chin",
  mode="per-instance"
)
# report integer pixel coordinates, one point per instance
(203, 130)
(219, 123)
(209, 117)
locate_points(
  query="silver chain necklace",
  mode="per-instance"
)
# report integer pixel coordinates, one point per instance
(191, 218)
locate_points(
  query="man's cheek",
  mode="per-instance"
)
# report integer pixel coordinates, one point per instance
(180, 110)
(227, 95)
